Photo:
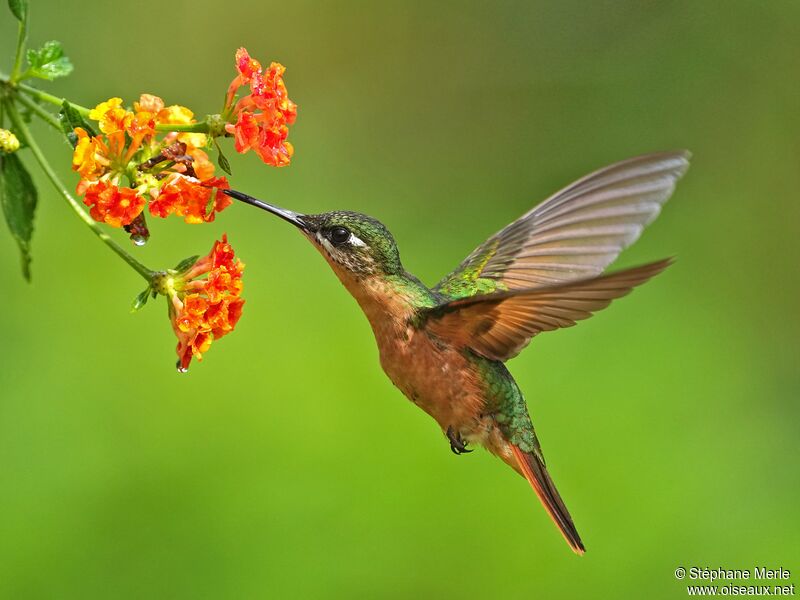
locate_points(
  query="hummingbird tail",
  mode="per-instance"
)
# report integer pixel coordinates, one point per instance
(535, 472)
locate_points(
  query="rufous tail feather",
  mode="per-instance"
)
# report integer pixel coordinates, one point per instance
(535, 472)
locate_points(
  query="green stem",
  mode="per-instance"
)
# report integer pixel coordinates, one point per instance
(45, 97)
(201, 127)
(22, 35)
(22, 128)
(47, 117)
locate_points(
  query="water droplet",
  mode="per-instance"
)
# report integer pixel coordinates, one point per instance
(138, 240)
(181, 369)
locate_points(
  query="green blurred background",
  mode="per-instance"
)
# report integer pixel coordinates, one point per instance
(285, 464)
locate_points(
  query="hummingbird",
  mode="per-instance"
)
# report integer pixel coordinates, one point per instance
(445, 346)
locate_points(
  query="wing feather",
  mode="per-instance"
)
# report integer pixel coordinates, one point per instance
(574, 234)
(499, 325)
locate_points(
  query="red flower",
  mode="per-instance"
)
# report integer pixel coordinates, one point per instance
(263, 116)
(113, 205)
(194, 200)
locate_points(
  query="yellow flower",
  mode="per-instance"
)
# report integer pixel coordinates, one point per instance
(175, 114)
(99, 111)
(180, 115)
(111, 116)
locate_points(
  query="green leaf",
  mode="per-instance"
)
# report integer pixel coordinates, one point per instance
(186, 264)
(212, 202)
(49, 62)
(19, 9)
(70, 119)
(222, 160)
(18, 198)
(141, 299)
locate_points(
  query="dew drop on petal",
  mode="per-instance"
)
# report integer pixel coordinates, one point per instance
(138, 240)
(181, 369)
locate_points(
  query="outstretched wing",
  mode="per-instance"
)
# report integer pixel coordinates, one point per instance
(499, 325)
(574, 234)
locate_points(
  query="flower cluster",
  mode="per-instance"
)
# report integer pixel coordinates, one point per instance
(152, 157)
(204, 310)
(143, 157)
(263, 116)
(128, 165)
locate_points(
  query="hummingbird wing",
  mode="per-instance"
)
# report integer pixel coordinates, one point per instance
(499, 325)
(574, 234)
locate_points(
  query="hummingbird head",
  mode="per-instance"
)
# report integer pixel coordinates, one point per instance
(354, 244)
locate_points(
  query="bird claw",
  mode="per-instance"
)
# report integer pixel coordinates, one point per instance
(457, 445)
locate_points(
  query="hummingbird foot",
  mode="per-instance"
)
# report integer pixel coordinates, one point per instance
(457, 444)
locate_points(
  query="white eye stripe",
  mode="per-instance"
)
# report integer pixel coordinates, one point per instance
(338, 253)
(356, 241)
(325, 244)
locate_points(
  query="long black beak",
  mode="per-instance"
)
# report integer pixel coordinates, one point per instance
(294, 218)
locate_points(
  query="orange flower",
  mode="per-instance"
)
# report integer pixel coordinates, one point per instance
(108, 155)
(88, 159)
(263, 116)
(113, 205)
(204, 310)
(203, 168)
(150, 103)
(188, 197)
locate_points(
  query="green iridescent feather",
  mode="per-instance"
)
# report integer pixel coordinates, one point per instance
(505, 402)
(466, 281)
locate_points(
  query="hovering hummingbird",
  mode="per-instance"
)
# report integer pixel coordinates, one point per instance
(444, 347)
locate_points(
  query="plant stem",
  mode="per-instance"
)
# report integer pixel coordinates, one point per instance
(45, 97)
(22, 128)
(22, 34)
(49, 118)
(201, 127)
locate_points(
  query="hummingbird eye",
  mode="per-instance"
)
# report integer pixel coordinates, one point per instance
(339, 235)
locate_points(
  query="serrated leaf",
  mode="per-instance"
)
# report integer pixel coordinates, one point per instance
(141, 299)
(18, 197)
(49, 62)
(19, 8)
(222, 160)
(70, 119)
(186, 264)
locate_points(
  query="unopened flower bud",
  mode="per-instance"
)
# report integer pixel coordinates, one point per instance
(8, 142)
